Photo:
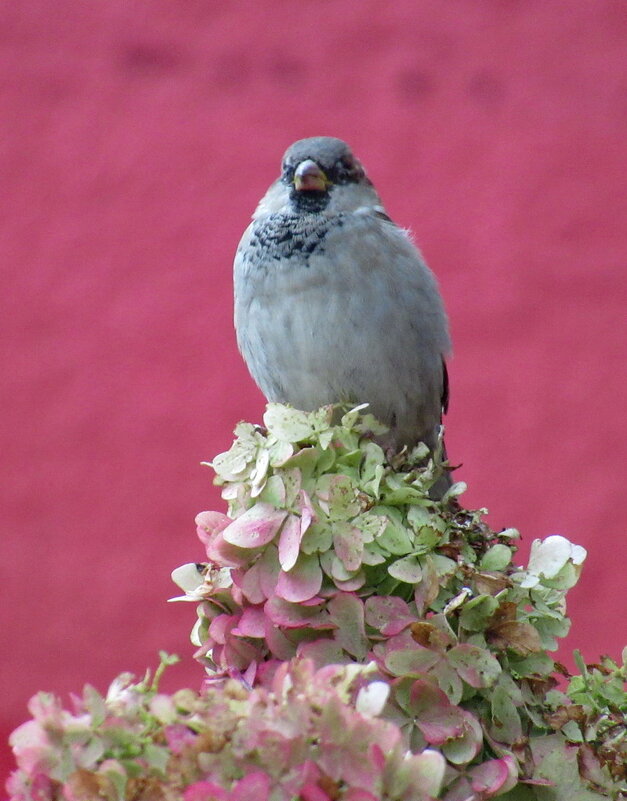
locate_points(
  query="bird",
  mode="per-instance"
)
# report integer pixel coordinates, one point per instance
(334, 302)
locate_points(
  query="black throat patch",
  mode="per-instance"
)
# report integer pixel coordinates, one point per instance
(310, 202)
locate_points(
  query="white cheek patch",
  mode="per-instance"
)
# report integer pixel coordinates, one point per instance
(275, 199)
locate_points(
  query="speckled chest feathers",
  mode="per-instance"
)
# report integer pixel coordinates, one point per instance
(290, 236)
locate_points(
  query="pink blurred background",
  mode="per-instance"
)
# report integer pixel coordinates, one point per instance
(136, 141)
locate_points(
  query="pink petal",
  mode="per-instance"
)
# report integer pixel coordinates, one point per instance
(308, 771)
(296, 616)
(315, 601)
(178, 737)
(377, 757)
(221, 626)
(265, 672)
(465, 748)
(259, 581)
(269, 570)
(256, 527)
(313, 792)
(388, 614)
(323, 652)
(289, 542)
(349, 545)
(307, 514)
(489, 777)
(351, 584)
(216, 652)
(205, 791)
(32, 746)
(280, 647)
(302, 582)
(495, 776)
(238, 655)
(435, 716)
(254, 787)
(210, 523)
(249, 675)
(248, 581)
(357, 794)
(224, 554)
(252, 623)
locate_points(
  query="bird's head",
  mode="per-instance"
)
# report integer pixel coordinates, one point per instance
(320, 174)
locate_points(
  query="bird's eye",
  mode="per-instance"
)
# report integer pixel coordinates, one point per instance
(287, 174)
(346, 169)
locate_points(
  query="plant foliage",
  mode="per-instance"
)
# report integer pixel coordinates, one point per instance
(361, 641)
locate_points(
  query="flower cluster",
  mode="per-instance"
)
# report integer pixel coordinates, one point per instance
(311, 734)
(362, 642)
(333, 552)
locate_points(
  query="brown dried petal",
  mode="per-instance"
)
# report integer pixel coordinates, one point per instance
(522, 638)
(450, 550)
(506, 611)
(563, 714)
(144, 789)
(429, 636)
(85, 785)
(489, 584)
(211, 742)
(540, 687)
(428, 588)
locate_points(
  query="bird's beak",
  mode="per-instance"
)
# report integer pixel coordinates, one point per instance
(309, 177)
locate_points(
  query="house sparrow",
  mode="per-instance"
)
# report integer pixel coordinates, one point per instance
(334, 303)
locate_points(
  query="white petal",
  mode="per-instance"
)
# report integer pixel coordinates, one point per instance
(188, 577)
(371, 699)
(549, 556)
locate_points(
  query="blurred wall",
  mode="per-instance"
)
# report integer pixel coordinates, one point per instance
(136, 140)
